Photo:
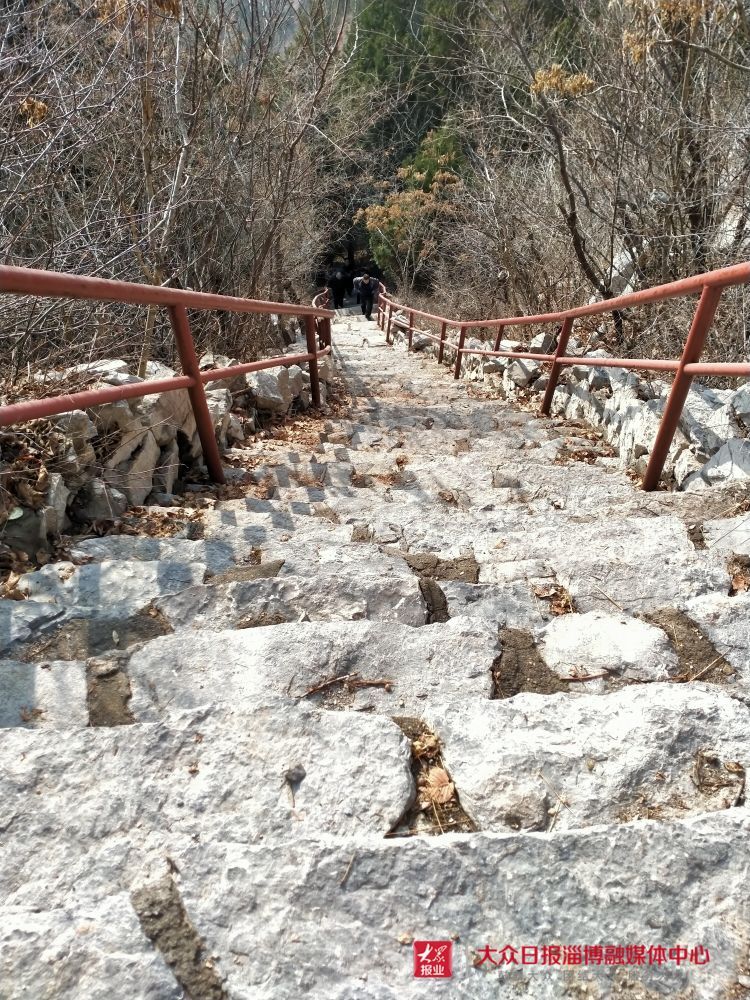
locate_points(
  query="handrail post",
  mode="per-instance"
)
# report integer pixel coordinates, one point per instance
(312, 364)
(554, 373)
(461, 339)
(186, 348)
(390, 319)
(443, 331)
(696, 339)
(411, 328)
(498, 338)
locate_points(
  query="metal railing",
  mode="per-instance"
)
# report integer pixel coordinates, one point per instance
(51, 284)
(709, 286)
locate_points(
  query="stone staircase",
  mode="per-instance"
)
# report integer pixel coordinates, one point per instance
(204, 793)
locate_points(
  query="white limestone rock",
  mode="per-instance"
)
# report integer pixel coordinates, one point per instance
(297, 379)
(541, 762)
(523, 372)
(103, 367)
(234, 384)
(215, 555)
(20, 620)
(97, 501)
(727, 536)
(267, 393)
(708, 418)
(644, 883)
(91, 949)
(121, 430)
(109, 586)
(731, 463)
(219, 406)
(47, 695)
(329, 595)
(75, 425)
(280, 770)
(188, 670)
(686, 466)
(55, 511)
(134, 477)
(600, 642)
(740, 405)
(166, 472)
(166, 414)
(327, 368)
(507, 605)
(638, 427)
(543, 343)
(726, 622)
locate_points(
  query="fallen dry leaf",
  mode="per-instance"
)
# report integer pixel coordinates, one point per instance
(438, 786)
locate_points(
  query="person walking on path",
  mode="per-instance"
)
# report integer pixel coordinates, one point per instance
(337, 285)
(366, 288)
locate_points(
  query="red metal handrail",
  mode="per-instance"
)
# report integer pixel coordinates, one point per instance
(710, 287)
(52, 284)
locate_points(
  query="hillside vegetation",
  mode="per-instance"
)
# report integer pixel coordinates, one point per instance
(494, 156)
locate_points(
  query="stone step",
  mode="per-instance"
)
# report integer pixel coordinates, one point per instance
(543, 762)
(121, 586)
(329, 592)
(408, 665)
(279, 771)
(639, 885)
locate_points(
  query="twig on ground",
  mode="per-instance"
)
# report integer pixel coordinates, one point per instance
(348, 869)
(610, 599)
(350, 681)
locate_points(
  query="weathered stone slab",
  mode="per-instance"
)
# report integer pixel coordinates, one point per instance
(280, 771)
(20, 620)
(186, 671)
(726, 622)
(92, 949)
(109, 585)
(641, 883)
(728, 535)
(508, 605)
(328, 595)
(544, 762)
(48, 695)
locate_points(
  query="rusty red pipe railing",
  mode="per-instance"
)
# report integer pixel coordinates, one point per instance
(710, 287)
(52, 284)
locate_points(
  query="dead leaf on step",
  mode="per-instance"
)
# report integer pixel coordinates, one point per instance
(426, 745)
(561, 601)
(438, 786)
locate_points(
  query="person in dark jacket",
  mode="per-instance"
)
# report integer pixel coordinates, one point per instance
(337, 285)
(366, 288)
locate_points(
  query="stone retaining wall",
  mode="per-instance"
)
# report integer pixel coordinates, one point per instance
(710, 446)
(133, 451)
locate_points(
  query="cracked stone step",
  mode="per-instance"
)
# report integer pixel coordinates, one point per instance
(728, 536)
(106, 798)
(511, 604)
(186, 671)
(538, 762)
(20, 621)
